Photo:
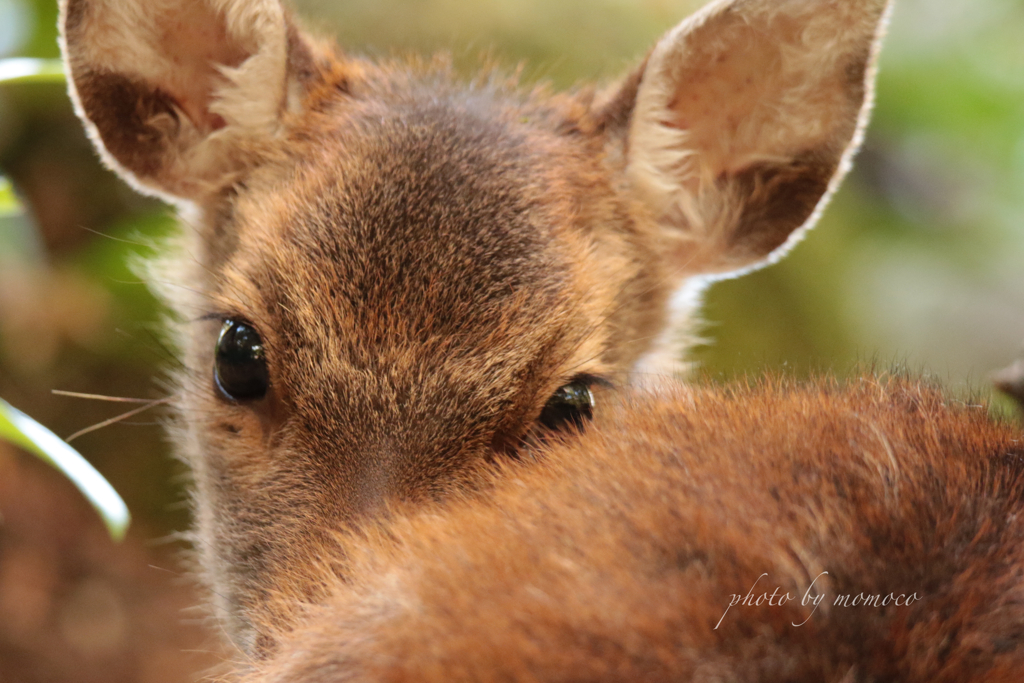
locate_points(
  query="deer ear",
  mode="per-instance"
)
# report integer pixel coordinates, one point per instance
(180, 95)
(744, 120)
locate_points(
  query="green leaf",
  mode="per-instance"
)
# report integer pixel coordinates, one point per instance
(29, 70)
(9, 204)
(21, 430)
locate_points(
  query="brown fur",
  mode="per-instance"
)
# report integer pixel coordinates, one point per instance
(428, 261)
(615, 556)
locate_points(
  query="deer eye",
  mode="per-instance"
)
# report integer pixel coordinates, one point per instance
(571, 407)
(240, 365)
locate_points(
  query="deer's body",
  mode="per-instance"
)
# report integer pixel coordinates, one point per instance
(848, 534)
(392, 284)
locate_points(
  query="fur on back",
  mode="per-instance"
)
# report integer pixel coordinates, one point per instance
(616, 557)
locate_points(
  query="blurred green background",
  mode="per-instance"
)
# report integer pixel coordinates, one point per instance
(919, 261)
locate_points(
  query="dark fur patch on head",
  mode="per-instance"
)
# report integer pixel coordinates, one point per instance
(429, 253)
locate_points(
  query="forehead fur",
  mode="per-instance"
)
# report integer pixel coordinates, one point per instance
(427, 222)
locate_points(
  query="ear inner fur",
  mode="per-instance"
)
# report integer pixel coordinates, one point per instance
(217, 68)
(776, 200)
(128, 109)
(748, 85)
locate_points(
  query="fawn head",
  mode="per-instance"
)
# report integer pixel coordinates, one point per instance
(388, 278)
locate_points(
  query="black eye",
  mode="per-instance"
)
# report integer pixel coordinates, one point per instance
(240, 366)
(572, 406)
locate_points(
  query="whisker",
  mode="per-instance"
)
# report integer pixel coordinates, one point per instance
(118, 239)
(191, 290)
(118, 418)
(101, 397)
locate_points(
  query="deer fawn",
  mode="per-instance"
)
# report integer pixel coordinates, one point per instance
(394, 287)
